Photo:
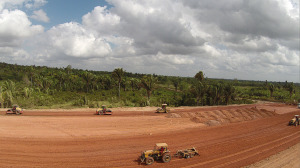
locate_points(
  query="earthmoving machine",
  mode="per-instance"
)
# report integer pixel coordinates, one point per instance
(163, 109)
(160, 152)
(15, 110)
(187, 153)
(103, 111)
(295, 121)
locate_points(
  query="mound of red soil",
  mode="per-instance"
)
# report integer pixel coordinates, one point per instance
(218, 117)
(212, 123)
(173, 115)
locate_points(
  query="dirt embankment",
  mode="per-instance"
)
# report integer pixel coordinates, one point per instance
(289, 158)
(218, 117)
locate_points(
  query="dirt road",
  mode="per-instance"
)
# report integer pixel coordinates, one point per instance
(243, 136)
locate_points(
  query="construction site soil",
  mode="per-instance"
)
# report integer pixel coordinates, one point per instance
(225, 136)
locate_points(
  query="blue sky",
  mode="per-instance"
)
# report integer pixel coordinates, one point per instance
(62, 11)
(232, 39)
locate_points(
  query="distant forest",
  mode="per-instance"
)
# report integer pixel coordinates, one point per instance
(45, 87)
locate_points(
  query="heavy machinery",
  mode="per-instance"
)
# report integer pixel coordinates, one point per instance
(160, 152)
(295, 121)
(187, 153)
(163, 109)
(15, 110)
(103, 111)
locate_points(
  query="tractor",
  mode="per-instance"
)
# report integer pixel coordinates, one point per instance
(103, 111)
(160, 152)
(295, 121)
(15, 110)
(163, 109)
(187, 153)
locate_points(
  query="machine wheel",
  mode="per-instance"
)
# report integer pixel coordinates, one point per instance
(166, 158)
(192, 155)
(187, 156)
(18, 112)
(149, 160)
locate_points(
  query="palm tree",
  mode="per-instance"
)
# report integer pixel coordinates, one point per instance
(8, 98)
(271, 88)
(175, 83)
(219, 89)
(10, 86)
(291, 88)
(107, 82)
(229, 90)
(31, 74)
(199, 76)
(148, 83)
(62, 77)
(68, 69)
(88, 77)
(198, 90)
(118, 73)
(135, 84)
(1, 98)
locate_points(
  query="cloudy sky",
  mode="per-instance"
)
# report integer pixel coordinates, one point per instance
(242, 39)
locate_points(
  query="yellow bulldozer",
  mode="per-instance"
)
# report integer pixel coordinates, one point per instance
(295, 121)
(103, 111)
(160, 152)
(15, 110)
(163, 109)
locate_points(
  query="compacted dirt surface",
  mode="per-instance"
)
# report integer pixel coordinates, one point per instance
(225, 136)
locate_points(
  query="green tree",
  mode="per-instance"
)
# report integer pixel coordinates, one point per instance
(10, 86)
(200, 76)
(68, 69)
(148, 83)
(133, 83)
(32, 73)
(88, 77)
(62, 77)
(1, 97)
(228, 92)
(219, 92)
(7, 98)
(118, 74)
(198, 89)
(175, 83)
(107, 82)
(271, 89)
(291, 88)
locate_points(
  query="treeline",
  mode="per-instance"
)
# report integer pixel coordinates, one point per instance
(45, 87)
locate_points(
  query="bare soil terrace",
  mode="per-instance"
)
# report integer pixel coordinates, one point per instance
(225, 136)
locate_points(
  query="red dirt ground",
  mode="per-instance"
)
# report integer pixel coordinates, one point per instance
(225, 136)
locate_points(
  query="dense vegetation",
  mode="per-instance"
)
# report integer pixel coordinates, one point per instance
(45, 87)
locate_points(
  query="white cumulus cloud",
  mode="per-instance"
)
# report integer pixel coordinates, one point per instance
(40, 15)
(15, 27)
(74, 40)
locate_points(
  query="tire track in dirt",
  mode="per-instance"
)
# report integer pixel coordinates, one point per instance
(242, 154)
(285, 159)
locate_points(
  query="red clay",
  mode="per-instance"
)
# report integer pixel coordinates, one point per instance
(48, 138)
